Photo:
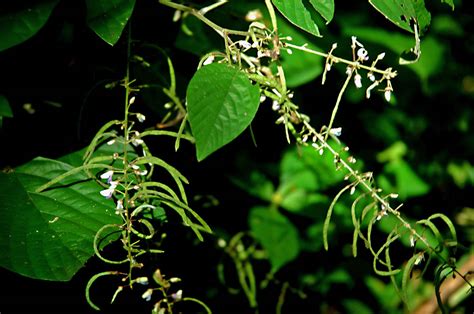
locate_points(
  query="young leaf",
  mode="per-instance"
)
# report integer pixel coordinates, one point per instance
(277, 235)
(297, 13)
(22, 21)
(221, 104)
(49, 235)
(107, 18)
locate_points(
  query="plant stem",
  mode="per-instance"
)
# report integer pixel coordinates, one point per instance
(199, 14)
(389, 73)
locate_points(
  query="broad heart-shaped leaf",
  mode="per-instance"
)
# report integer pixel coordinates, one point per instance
(107, 18)
(49, 235)
(298, 14)
(278, 236)
(404, 12)
(22, 20)
(221, 104)
(325, 8)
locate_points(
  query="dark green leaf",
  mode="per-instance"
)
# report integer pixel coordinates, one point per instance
(49, 235)
(107, 18)
(297, 13)
(278, 236)
(404, 12)
(221, 104)
(5, 110)
(21, 21)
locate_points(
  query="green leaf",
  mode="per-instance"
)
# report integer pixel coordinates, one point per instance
(407, 182)
(278, 236)
(21, 21)
(49, 235)
(325, 8)
(298, 14)
(449, 2)
(5, 110)
(403, 12)
(221, 104)
(107, 18)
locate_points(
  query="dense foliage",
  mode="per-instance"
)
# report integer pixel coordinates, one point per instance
(185, 157)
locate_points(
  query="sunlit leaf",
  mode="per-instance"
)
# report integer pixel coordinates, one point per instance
(21, 21)
(107, 18)
(298, 14)
(49, 235)
(221, 104)
(278, 236)
(325, 8)
(407, 182)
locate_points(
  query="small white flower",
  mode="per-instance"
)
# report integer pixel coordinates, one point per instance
(351, 159)
(107, 175)
(358, 80)
(178, 295)
(280, 120)
(143, 172)
(387, 94)
(253, 15)
(111, 142)
(349, 70)
(412, 241)
(107, 193)
(289, 51)
(321, 151)
(209, 60)
(275, 105)
(135, 167)
(381, 56)
(141, 117)
(328, 66)
(245, 44)
(142, 280)
(336, 131)
(305, 138)
(174, 279)
(362, 54)
(352, 190)
(132, 100)
(137, 141)
(371, 76)
(119, 207)
(147, 294)
(334, 46)
(262, 98)
(381, 213)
